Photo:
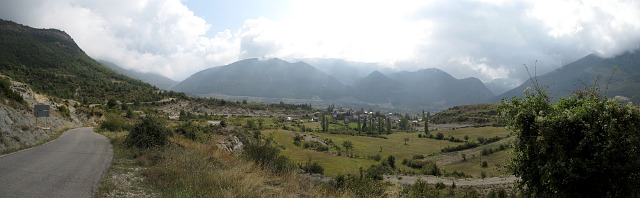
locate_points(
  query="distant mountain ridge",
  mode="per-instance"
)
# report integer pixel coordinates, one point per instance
(625, 82)
(274, 78)
(157, 80)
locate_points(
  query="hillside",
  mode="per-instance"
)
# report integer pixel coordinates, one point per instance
(50, 62)
(625, 82)
(157, 80)
(378, 88)
(273, 78)
(434, 86)
(346, 71)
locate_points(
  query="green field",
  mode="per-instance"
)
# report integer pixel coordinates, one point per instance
(364, 146)
(495, 162)
(333, 164)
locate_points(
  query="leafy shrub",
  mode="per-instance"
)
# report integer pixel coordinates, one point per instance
(481, 140)
(267, 156)
(376, 157)
(149, 132)
(297, 139)
(391, 161)
(64, 111)
(418, 156)
(360, 186)
(420, 189)
(439, 136)
(114, 124)
(313, 168)
(431, 169)
(6, 91)
(417, 163)
(193, 131)
(376, 171)
(484, 164)
(583, 145)
(466, 145)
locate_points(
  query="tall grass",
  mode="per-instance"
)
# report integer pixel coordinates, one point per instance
(194, 169)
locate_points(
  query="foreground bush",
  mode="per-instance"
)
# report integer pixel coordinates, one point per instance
(149, 132)
(584, 145)
(114, 124)
(268, 156)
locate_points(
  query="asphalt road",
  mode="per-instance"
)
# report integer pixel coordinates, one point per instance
(70, 166)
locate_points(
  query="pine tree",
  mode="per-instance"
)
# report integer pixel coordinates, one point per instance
(388, 125)
(426, 125)
(322, 121)
(359, 124)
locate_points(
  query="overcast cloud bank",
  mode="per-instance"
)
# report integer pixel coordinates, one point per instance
(487, 39)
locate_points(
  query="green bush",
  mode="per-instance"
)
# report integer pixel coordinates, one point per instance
(431, 169)
(360, 186)
(583, 145)
(114, 124)
(6, 91)
(313, 168)
(484, 164)
(420, 189)
(267, 156)
(193, 131)
(149, 132)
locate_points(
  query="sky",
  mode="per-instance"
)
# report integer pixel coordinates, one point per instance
(486, 39)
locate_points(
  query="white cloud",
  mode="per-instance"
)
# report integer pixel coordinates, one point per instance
(487, 39)
(160, 36)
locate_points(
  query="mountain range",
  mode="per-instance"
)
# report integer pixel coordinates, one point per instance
(275, 78)
(588, 71)
(52, 63)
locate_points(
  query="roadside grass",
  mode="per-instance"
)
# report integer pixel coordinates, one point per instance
(472, 166)
(474, 132)
(333, 165)
(125, 175)
(192, 169)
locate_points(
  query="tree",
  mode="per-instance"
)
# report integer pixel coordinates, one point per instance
(404, 123)
(388, 125)
(347, 145)
(251, 124)
(322, 123)
(364, 124)
(359, 124)
(111, 103)
(392, 161)
(380, 124)
(466, 137)
(426, 125)
(583, 145)
(261, 122)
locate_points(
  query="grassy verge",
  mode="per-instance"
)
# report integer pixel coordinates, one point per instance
(125, 176)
